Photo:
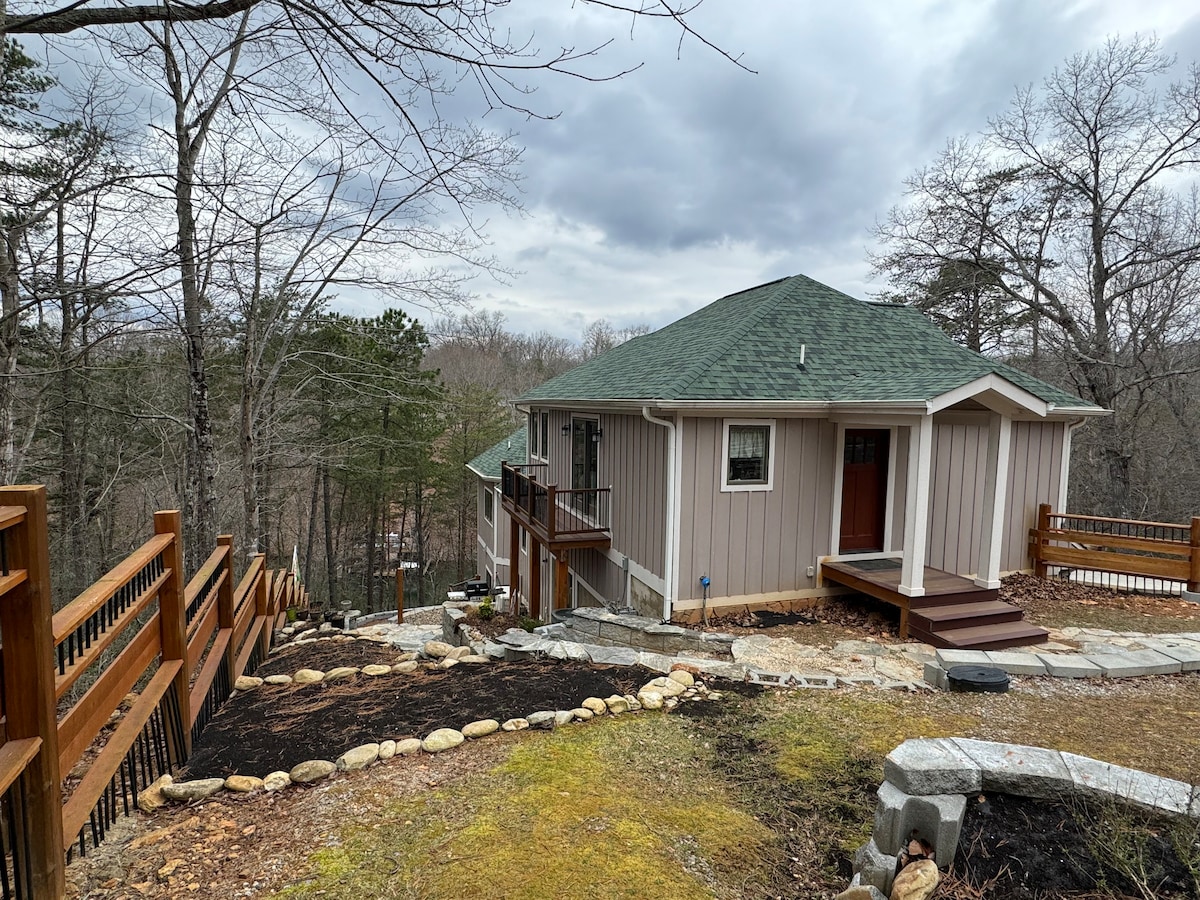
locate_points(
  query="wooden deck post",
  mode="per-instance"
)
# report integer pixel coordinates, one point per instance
(1043, 525)
(535, 578)
(26, 620)
(1194, 579)
(514, 565)
(562, 580)
(225, 600)
(172, 618)
(399, 595)
(551, 511)
(262, 608)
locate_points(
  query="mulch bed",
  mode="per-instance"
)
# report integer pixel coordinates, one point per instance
(1016, 848)
(275, 728)
(326, 655)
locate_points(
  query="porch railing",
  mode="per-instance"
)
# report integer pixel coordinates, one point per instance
(1158, 551)
(558, 513)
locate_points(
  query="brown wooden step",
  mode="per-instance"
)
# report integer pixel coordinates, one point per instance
(983, 637)
(964, 615)
(932, 601)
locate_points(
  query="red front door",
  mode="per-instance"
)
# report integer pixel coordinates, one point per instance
(864, 490)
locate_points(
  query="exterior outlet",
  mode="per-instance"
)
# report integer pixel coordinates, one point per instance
(812, 570)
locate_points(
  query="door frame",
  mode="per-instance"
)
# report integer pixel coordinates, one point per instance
(595, 420)
(835, 536)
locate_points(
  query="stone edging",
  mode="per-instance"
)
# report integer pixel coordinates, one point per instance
(927, 781)
(663, 692)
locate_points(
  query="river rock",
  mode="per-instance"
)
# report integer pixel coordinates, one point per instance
(278, 679)
(376, 670)
(515, 725)
(682, 676)
(387, 749)
(341, 673)
(582, 713)
(543, 718)
(448, 663)
(916, 881)
(442, 739)
(563, 717)
(650, 699)
(596, 705)
(436, 649)
(408, 746)
(312, 770)
(247, 683)
(458, 653)
(482, 728)
(404, 668)
(667, 687)
(616, 704)
(276, 781)
(634, 703)
(474, 659)
(308, 676)
(358, 758)
(406, 656)
(187, 791)
(243, 784)
(152, 797)
(861, 892)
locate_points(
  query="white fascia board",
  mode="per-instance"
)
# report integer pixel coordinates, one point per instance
(996, 384)
(491, 478)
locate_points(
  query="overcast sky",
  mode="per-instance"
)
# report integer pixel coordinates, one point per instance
(654, 194)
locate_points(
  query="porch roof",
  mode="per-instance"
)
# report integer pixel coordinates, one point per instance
(747, 347)
(487, 464)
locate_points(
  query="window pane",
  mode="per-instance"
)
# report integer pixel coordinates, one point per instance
(545, 434)
(748, 451)
(533, 435)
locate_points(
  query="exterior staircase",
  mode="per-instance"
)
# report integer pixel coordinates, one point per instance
(976, 621)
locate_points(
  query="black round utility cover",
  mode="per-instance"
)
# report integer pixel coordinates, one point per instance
(978, 679)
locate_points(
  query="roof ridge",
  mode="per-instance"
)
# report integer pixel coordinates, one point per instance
(732, 336)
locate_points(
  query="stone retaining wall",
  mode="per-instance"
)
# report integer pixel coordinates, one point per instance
(928, 781)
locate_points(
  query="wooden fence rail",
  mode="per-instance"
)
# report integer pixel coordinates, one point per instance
(1161, 550)
(64, 675)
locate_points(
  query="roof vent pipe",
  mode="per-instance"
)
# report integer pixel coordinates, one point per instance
(802, 349)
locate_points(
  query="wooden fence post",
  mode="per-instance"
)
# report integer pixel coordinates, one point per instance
(1043, 525)
(172, 619)
(1194, 578)
(225, 608)
(399, 595)
(262, 608)
(26, 621)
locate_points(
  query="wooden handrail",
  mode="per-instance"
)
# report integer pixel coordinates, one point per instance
(10, 516)
(75, 613)
(1137, 522)
(15, 757)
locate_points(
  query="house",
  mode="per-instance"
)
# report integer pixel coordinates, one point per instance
(781, 444)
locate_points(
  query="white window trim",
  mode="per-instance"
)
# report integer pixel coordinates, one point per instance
(726, 487)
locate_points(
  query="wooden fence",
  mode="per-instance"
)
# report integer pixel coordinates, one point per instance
(1152, 550)
(65, 675)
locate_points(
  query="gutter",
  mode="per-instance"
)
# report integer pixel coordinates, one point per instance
(672, 513)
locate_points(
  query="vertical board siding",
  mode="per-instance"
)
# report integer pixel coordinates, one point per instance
(633, 462)
(752, 542)
(958, 481)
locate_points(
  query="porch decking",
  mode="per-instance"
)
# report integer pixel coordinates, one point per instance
(953, 613)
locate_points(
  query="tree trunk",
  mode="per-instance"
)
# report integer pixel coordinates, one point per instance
(330, 560)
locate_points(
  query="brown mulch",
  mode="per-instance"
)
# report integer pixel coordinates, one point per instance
(275, 728)
(492, 627)
(326, 655)
(1049, 596)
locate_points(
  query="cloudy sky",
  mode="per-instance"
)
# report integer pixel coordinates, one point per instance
(651, 195)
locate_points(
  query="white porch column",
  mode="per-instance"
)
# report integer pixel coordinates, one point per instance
(995, 500)
(916, 507)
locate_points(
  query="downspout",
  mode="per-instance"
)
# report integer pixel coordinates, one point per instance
(1065, 466)
(672, 514)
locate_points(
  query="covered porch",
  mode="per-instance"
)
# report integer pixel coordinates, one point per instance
(887, 492)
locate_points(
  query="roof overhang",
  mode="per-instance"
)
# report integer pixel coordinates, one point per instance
(492, 478)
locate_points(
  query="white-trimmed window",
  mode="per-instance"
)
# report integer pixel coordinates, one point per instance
(488, 505)
(533, 436)
(545, 435)
(748, 455)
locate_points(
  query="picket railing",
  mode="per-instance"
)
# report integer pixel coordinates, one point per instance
(138, 628)
(1158, 551)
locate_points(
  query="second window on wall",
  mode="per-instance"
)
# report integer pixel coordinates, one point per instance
(748, 451)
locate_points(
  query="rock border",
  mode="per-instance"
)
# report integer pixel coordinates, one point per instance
(664, 692)
(927, 782)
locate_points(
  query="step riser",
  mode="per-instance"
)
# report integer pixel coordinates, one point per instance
(936, 640)
(964, 621)
(935, 600)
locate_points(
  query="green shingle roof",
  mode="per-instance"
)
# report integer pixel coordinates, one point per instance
(746, 346)
(512, 448)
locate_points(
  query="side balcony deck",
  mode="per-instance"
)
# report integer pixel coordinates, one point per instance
(558, 519)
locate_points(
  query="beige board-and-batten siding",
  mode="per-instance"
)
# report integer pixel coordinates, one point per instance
(957, 487)
(492, 540)
(755, 542)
